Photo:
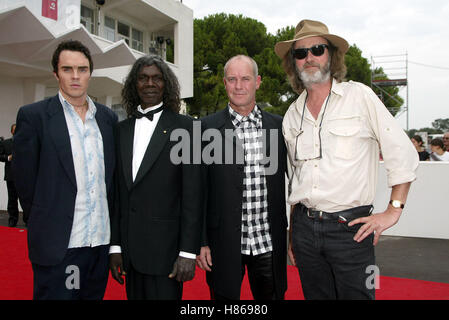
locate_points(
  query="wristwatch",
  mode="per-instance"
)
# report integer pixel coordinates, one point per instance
(397, 204)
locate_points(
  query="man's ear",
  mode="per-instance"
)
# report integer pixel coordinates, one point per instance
(56, 76)
(258, 81)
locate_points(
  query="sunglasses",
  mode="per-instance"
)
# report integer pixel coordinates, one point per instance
(317, 51)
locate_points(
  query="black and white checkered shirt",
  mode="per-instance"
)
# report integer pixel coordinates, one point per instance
(256, 237)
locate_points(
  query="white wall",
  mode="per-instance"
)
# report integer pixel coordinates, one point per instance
(68, 13)
(426, 213)
(12, 97)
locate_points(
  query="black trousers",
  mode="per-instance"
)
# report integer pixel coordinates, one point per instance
(140, 286)
(13, 200)
(331, 264)
(82, 275)
(260, 277)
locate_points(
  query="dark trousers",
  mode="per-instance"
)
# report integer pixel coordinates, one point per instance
(13, 200)
(82, 275)
(260, 277)
(331, 264)
(141, 286)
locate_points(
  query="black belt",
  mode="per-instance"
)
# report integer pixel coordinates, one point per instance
(341, 216)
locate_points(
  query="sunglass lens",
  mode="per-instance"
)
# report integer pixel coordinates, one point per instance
(317, 50)
(301, 53)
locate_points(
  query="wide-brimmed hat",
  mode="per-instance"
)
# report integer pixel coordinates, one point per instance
(307, 29)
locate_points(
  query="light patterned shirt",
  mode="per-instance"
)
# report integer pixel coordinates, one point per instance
(255, 236)
(354, 126)
(91, 217)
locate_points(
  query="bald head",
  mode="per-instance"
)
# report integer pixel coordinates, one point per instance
(242, 57)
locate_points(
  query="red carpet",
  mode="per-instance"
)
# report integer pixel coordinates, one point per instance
(16, 279)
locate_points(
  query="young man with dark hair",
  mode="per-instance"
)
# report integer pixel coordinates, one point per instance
(64, 162)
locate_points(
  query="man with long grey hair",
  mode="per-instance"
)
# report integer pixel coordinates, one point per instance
(333, 132)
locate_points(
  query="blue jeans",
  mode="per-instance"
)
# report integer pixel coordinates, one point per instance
(331, 264)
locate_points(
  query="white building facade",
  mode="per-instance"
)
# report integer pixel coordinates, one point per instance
(117, 32)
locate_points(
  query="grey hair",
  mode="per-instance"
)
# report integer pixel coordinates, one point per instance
(242, 56)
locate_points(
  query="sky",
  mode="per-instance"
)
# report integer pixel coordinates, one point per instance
(414, 33)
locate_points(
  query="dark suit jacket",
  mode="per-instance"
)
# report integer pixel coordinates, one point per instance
(159, 214)
(45, 174)
(4, 153)
(223, 211)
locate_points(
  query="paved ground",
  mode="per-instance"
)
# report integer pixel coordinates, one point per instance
(413, 258)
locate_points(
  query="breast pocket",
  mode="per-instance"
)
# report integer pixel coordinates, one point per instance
(291, 140)
(345, 136)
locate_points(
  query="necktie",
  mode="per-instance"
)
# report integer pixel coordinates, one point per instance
(148, 114)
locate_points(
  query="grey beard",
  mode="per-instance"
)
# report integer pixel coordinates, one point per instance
(320, 76)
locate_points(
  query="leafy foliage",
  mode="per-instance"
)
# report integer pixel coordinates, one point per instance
(221, 36)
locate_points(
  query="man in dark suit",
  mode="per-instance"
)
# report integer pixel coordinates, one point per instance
(64, 162)
(245, 218)
(6, 157)
(156, 223)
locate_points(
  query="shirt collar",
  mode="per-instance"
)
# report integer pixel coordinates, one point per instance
(255, 116)
(337, 87)
(139, 108)
(91, 108)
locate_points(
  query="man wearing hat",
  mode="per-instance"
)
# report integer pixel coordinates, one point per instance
(333, 132)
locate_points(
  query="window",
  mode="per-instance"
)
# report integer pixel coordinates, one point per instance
(137, 40)
(123, 31)
(115, 30)
(87, 18)
(109, 28)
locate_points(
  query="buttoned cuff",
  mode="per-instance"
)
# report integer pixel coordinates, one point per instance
(187, 255)
(115, 249)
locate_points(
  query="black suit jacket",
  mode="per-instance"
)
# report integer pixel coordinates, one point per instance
(5, 151)
(223, 210)
(158, 214)
(45, 174)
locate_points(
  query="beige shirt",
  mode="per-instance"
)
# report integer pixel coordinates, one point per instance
(354, 125)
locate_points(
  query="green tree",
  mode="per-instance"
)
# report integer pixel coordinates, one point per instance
(219, 37)
(441, 124)
(388, 94)
(359, 69)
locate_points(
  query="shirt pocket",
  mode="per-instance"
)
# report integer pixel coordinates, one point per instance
(291, 139)
(345, 136)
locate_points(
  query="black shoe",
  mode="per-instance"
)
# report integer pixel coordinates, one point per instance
(12, 222)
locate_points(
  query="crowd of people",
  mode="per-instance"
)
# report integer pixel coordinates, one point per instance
(438, 147)
(106, 196)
